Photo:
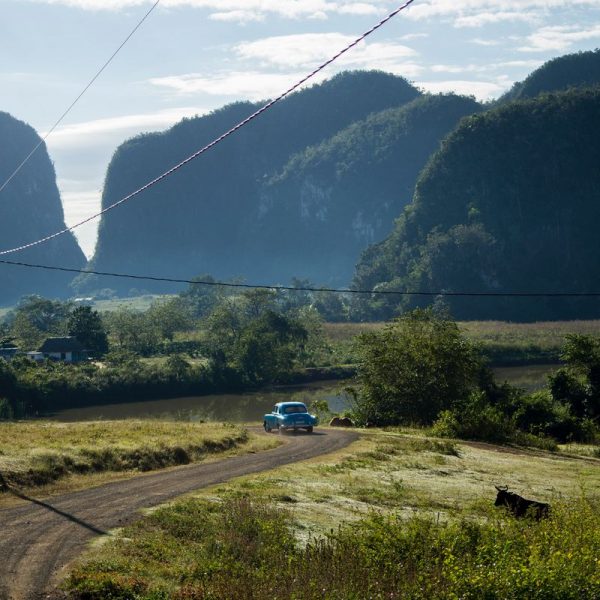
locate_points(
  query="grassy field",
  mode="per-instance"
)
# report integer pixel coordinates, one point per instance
(394, 515)
(65, 456)
(504, 343)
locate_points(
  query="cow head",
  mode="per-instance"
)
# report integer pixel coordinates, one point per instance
(502, 496)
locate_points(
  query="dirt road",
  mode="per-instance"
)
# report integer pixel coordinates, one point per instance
(39, 538)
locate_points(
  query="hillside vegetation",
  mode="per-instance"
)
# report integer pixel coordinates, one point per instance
(204, 218)
(509, 204)
(30, 208)
(559, 74)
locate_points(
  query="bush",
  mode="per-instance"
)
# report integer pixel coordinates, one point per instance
(476, 419)
(417, 366)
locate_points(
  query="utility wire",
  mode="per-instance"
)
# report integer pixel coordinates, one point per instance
(85, 89)
(216, 141)
(308, 288)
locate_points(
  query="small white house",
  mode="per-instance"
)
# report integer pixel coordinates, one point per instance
(67, 349)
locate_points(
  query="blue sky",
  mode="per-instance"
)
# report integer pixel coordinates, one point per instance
(192, 56)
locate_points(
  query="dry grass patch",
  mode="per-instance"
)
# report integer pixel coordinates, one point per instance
(42, 454)
(404, 473)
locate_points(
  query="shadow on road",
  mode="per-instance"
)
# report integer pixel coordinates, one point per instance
(69, 517)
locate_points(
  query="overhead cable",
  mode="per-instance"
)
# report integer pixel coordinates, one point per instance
(216, 141)
(374, 292)
(85, 89)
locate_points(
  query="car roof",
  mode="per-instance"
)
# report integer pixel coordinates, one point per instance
(290, 404)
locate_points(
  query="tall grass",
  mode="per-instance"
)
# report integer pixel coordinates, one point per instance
(34, 453)
(245, 550)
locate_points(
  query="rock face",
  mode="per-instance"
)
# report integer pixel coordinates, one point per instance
(300, 192)
(30, 208)
(220, 214)
(333, 200)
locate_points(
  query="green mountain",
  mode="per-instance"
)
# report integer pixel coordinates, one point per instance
(30, 208)
(211, 216)
(559, 74)
(510, 203)
(334, 199)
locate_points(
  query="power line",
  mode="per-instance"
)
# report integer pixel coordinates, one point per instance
(308, 288)
(85, 89)
(216, 141)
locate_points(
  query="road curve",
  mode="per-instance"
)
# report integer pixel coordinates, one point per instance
(39, 539)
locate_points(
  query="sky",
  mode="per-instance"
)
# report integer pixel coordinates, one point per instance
(192, 56)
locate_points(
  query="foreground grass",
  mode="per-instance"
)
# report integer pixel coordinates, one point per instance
(395, 515)
(34, 453)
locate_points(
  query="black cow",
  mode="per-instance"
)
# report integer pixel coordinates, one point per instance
(521, 507)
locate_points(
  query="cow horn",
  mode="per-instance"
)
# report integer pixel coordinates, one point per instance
(502, 489)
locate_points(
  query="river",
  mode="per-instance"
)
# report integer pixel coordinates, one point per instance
(249, 407)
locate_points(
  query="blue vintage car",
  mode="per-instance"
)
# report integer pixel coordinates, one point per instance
(289, 415)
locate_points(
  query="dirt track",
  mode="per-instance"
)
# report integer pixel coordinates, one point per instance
(38, 539)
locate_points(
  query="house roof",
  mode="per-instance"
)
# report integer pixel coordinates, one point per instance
(62, 344)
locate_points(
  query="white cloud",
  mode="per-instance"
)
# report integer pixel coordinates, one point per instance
(488, 42)
(486, 67)
(469, 12)
(241, 10)
(413, 36)
(559, 38)
(482, 90)
(252, 85)
(308, 49)
(491, 18)
(92, 133)
(237, 16)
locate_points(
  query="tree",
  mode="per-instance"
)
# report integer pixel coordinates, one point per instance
(268, 347)
(133, 331)
(202, 295)
(417, 366)
(87, 326)
(37, 318)
(578, 384)
(169, 316)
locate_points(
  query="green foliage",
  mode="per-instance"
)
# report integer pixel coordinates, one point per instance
(242, 549)
(581, 69)
(491, 215)
(476, 419)
(87, 326)
(36, 318)
(31, 209)
(247, 336)
(169, 316)
(419, 365)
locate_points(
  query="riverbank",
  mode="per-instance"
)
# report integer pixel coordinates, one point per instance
(395, 513)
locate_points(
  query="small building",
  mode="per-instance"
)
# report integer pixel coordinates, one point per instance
(34, 355)
(68, 349)
(8, 353)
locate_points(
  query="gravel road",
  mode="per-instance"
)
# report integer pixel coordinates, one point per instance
(38, 539)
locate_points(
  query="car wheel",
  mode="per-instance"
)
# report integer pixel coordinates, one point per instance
(267, 427)
(309, 429)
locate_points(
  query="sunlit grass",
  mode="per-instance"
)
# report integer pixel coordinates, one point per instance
(393, 515)
(35, 453)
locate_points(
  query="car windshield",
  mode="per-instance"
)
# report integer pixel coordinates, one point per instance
(294, 409)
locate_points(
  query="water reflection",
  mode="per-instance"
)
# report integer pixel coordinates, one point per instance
(250, 407)
(235, 408)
